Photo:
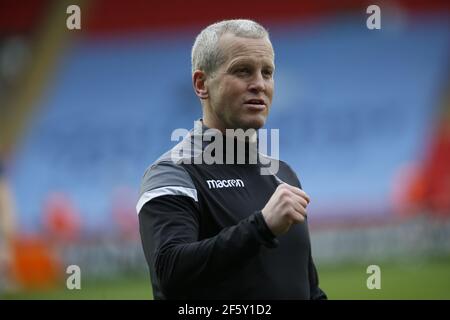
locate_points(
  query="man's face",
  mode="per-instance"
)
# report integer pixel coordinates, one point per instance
(240, 90)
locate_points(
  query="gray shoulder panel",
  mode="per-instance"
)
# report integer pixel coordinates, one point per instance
(164, 174)
(165, 178)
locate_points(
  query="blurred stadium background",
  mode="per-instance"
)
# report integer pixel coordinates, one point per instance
(364, 118)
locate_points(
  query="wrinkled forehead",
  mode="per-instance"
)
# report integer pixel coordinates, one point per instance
(233, 47)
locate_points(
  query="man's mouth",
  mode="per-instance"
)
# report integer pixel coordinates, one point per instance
(256, 104)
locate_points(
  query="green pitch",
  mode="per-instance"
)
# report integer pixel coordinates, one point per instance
(406, 280)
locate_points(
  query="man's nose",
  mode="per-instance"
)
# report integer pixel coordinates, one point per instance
(257, 83)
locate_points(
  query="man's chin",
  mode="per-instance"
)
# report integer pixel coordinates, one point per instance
(254, 123)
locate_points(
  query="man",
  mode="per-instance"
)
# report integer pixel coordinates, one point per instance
(220, 230)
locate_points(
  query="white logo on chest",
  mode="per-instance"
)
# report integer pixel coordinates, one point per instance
(230, 183)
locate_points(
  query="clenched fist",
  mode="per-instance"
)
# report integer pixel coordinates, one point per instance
(286, 207)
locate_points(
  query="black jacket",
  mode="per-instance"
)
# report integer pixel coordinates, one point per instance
(204, 236)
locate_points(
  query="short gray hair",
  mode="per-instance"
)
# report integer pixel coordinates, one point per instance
(206, 55)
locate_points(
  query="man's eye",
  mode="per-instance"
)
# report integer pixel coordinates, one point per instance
(268, 73)
(243, 71)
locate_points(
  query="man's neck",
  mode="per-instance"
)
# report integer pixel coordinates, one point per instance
(246, 136)
(211, 123)
(235, 144)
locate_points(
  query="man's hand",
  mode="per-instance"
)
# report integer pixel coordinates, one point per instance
(286, 207)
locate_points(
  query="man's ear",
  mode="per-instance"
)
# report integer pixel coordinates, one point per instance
(199, 83)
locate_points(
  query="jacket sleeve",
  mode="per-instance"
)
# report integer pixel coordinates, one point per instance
(316, 292)
(181, 262)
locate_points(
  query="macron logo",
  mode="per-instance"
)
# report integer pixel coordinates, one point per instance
(231, 183)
